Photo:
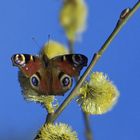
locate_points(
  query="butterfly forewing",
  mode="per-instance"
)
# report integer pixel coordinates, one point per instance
(27, 63)
(70, 64)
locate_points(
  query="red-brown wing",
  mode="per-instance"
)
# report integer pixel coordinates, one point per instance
(59, 82)
(52, 77)
(27, 63)
(34, 70)
(70, 64)
(62, 69)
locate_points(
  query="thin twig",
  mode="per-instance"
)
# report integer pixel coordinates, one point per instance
(71, 46)
(88, 132)
(93, 62)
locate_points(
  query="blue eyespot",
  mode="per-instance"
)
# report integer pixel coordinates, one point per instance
(65, 80)
(34, 80)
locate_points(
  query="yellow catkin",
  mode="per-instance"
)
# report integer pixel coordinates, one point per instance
(73, 17)
(59, 131)
(53, 48)
(99, 95)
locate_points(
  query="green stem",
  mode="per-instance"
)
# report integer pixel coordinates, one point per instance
(94, 60)
(88, 131)
(71, 46)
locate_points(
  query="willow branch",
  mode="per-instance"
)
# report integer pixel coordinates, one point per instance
(88, 132)
(71, 46)
(125, 15)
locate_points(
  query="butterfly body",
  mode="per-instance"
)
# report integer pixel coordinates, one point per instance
(50, 76)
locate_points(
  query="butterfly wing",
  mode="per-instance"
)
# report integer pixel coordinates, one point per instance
(59, 81)
(49, 77)
(33, 70)
(28, 64)
(62, 69)
(70, 64)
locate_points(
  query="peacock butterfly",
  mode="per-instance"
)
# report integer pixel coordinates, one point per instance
(49, 76)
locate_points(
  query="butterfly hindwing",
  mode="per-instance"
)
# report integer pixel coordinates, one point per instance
(60, 82)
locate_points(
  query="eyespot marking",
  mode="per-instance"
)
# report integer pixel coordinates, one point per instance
(77, 59)
(19, 59)
(65, 80)
(34, 81)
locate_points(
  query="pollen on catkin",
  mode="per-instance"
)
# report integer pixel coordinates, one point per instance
(56, 132)
(73, 17)
(53, 48)
(99, 95)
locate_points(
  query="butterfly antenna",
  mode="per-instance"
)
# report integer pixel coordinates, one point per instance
(49, 38)
(35, 41)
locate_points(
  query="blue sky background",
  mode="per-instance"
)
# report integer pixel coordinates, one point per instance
(24, 19)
